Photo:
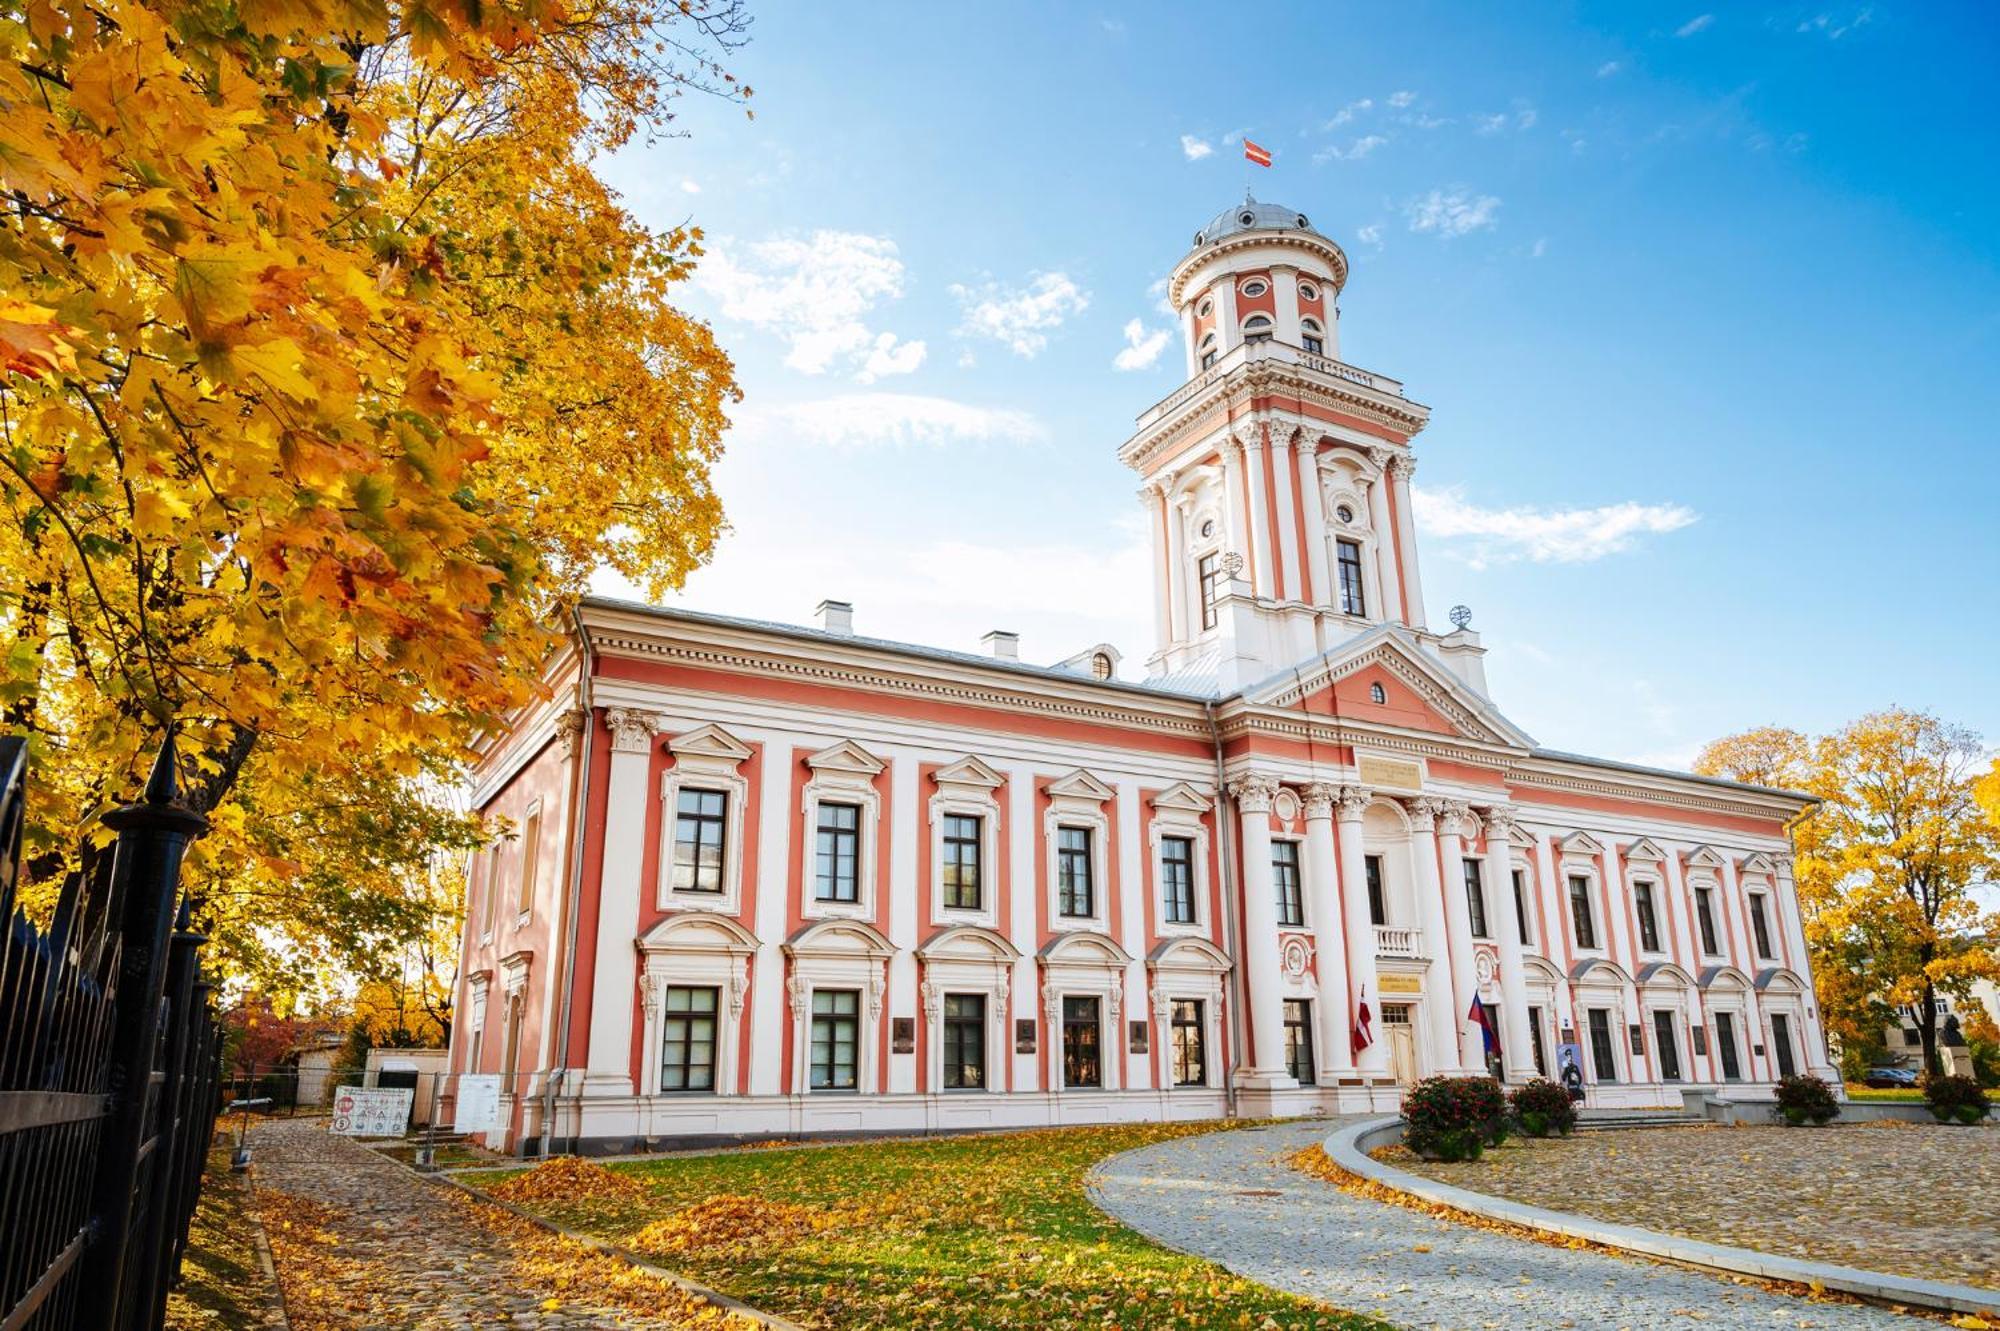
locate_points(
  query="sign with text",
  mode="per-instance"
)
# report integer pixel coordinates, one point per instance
(1382, 773)
(477, 1108)
(1399, 984)
(360, 1111)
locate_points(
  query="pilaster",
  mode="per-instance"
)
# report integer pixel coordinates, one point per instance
(1334, 1056)
(614, 982)
(1264, 1067)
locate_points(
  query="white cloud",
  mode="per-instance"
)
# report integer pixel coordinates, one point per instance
(1455, 212)
(1353, 152)
(814, 294)
(1545, 536)
(1142, 349)
(864, 420)
(690, 187)
(1540, 247)
(1425, 120)
(1195, 149)
(1522, 116)
(1370, 234)
(1402, 98)
(1021, 318)
(1608, 68)
(1694, 25)
(1832, 28)
(1347, 113)
(1489, 125)
(890, 356)
(1525, 117)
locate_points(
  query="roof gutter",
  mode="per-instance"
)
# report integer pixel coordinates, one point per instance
(573, 884)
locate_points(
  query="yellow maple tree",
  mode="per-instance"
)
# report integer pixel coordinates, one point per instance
(329, 372)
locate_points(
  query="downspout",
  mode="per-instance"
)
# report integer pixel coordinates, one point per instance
(1226, 845)
(573, 888)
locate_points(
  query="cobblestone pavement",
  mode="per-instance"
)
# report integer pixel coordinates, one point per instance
(1916, 1200)
(360, 1243)
(1231, 1197)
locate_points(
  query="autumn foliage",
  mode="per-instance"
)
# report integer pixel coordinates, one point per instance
(329, 372)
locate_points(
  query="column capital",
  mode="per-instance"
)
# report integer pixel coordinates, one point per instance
(1454, 818)
(1254, 793)
(1319, 798)
(1250, 436)
(1499, 823)
(632, 730)
(1353, 803)
(569, 729)
(1402, 466)
(1424, 812)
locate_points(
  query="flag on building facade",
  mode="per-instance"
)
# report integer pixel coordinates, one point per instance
(1480, 1018)
(1364, 1029)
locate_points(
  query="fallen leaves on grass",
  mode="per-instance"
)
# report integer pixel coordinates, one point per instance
(568, 1179)
(731, 1219)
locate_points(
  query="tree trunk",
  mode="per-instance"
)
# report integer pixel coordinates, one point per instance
(1927, 1029)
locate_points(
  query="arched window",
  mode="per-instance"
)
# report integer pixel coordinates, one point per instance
(1201, 310)
(1307, 291)
(1255, 287)
(1208, 351)
(1100, 665)
(1376, 693)
(1257, 328)
(1311, 337)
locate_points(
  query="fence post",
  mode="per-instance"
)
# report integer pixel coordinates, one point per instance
(168, 1181)
(153, 836)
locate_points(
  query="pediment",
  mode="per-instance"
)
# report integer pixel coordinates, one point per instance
(1705, 858)
(1181, 797)
(1081, 947)
(1079, 785)
(1644, 851)
(698, 931)
(1580, 843)
(847, 757)
(1759, 865)
(1420, 692)
(841, 937)
(709, 742)
(1188, 954)
(1521, 838)
(967, 942)
(968, 771)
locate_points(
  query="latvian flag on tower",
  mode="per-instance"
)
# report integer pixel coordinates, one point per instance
(1364, 1029)
(1261, 156)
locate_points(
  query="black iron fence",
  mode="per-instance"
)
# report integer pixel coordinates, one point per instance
(108, 1059)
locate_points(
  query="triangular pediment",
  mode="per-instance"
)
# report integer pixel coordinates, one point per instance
(846, 756)
(1705, 858)
(968, 771)
(1079, 785)
(1580, 843)
(1182, 798)
(709, 742)
(1643, 851)
(1759, 865)
(1418, 691)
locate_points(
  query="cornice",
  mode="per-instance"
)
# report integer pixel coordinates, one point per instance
(1641, 790)
(1236, 391)
(1311, 242)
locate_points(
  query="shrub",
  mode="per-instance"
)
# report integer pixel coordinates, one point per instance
(1454, 1118)
(1543, 1109)
(1955, 1099)
(1803, 1098)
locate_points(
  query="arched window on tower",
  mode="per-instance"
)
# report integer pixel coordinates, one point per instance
(1312, 337)
(1208, 352)
(1100, 665)
(1257, 328)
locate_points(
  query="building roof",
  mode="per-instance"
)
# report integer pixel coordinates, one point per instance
(1251, 215)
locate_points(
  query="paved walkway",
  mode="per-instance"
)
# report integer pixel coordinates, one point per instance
(1231, 1197)
(361, 1242)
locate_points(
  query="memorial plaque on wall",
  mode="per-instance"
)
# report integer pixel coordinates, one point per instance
(902, 1035)
(1138, 1040)
(1024, 1035)
(1638, 1038)
(1700, 1034)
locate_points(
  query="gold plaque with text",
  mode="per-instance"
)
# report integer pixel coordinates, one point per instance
(1400, 984)
(1389, 773)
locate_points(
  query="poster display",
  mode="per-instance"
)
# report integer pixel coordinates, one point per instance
(477, 1107)
(360, 1111)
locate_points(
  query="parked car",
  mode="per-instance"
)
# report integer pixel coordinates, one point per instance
(1883, 1078)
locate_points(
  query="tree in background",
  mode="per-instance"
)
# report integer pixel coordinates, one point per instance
(329, 372)
(1887, 863)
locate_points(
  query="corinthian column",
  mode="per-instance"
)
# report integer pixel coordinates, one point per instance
(1353, 802)
(1452, 826)
(1264, 577)
(1265, 1069)
(1387, 553)
(1321, 591)
(614, 979)
(1336, 1055)
(1516, 1053)
(1401, 468)
(1438, 996)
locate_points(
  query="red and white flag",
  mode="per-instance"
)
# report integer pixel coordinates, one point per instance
(1261, 156)
(1364, 1028)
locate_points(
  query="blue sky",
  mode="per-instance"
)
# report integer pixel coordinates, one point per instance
(1704, 303)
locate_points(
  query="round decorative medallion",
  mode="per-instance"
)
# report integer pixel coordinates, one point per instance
(1483, 964)
(1285, 805)
(1344, 514)
(1295, 956)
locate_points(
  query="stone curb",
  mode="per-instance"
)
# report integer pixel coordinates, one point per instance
(279, 1317)
(1349, 1147)
(740, 1309)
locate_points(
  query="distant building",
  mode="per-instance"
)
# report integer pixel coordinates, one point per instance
(776, 880)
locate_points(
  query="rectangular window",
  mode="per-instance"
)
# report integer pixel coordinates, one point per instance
(1075, 893)
(1781, 1043)
(1312, 344)
(1579, 910)
(1190, 1054)
(1475, 899)
(1208, 573)
(687, 1039)
(1760, 927)
(1535, 1039)
(962, 846)
(1285, 878)
(490, 864)
(1371, 866)
(1208, 360)
(1347, 556)
(965, 1042)
(1725, 1042)
(1603, 1055)
(699, 822)
(1670, 1050)
(1082, 1066)
(1521, 904)
(531, 854)
(1177, 878)
(836, 1039)
(1299, 1040)
(1704, 912)
(837, 856)
(1649, 925)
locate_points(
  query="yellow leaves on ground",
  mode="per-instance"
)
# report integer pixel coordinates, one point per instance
(569, 1179)
(732, 1219)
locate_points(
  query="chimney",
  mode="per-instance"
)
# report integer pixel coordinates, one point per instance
(1002, 644)
(836, 617)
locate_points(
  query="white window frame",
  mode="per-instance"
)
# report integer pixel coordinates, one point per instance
(1578, 858)
(476, 1022)
(842, 773)
(1192, 970)
(820, 965)
(946, 971)
(1298, 844)
(1704, 878)
(1683, 1041)
(704, 759)
(1520, 859)
(1078, 800)
(1662, 926)
(1180, 811)
(1263, 285)
(967, 787)
(1070, 970)
(693, 951)
(530, 862)
(1755, 898)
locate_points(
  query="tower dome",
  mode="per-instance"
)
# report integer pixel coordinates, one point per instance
(1250, 215)
(1258, 272)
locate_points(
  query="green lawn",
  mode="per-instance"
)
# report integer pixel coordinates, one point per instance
(1856, 1091)
(967, 1232)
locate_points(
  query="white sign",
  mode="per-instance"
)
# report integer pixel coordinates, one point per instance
(478, 1106)
(372, 1111)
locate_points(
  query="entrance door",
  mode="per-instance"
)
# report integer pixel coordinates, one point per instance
(1535, 1038)
(1402, 1042)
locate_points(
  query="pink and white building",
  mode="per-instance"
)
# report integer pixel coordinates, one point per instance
(769, 879)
